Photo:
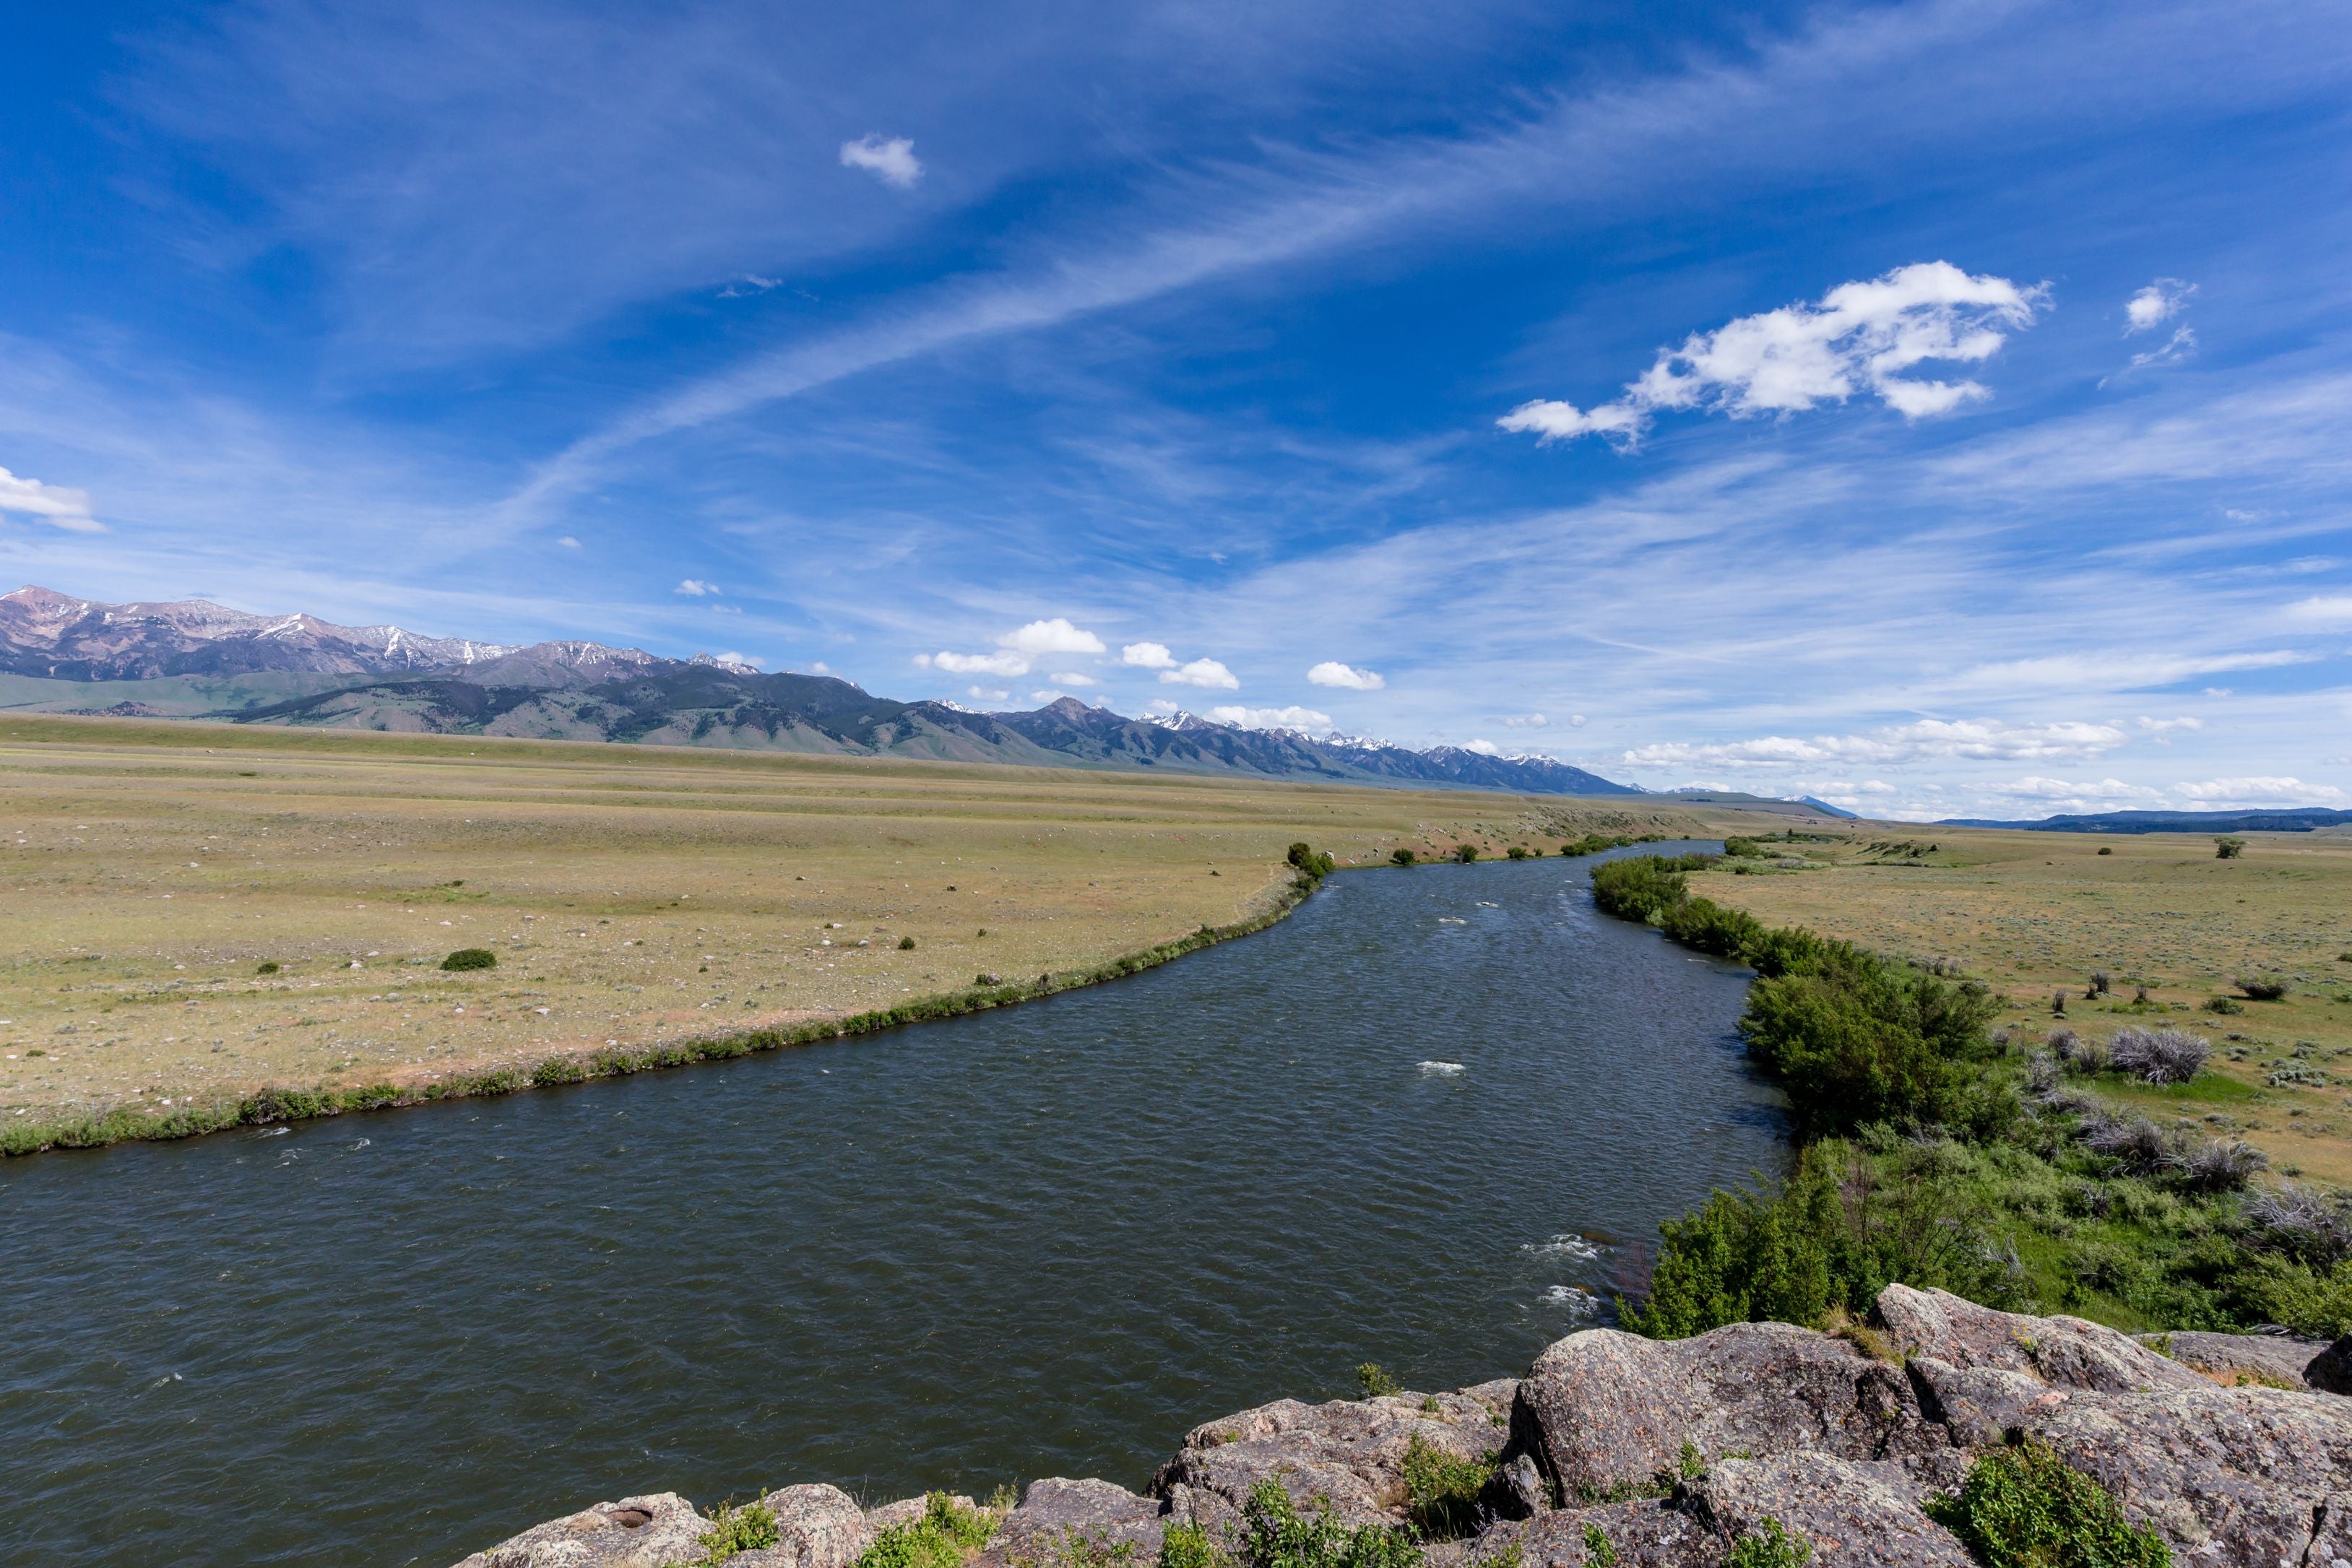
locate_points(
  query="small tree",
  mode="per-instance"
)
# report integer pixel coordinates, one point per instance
(2228, 849)
(1466, 854)
(1403, 857)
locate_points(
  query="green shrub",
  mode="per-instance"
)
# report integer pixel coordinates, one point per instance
(1441, 1489)
(1275, 1535)
(906, 943)
(1311, 865)
(947, 1533)
(2025, 1508)
(1771, 1547)
(1466, 854)
(1517, 854)
(1600, 1552)
(2228, 849)
(270, 967)
(2269, 989)
(745, 1529)
(1402, 857)
(1188, 1546)
(1374, 1380)
(2224, 1005)
(471, 958)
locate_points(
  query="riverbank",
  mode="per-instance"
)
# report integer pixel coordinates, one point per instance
(253, 920)
(1935, 1151)
(2171, 925)
(166, 1121)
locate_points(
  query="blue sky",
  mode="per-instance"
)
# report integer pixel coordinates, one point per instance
(1753, 399)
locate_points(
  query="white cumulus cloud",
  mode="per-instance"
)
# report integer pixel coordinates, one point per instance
(1017, 651)
(1203, 672)
(1526, 721)
(2166, 725)
(1055, 636)
(1075, 680)
(2157, 303)
(1925, 740)
(1148, 656)
(1576, 721)
(1271, 717)
(696, 587)
(53, 504)
(1483, 748)
(1007, 664)
(890, 159)
(568, 542)
(1860, 337)
(987, 694)
(1332, 673)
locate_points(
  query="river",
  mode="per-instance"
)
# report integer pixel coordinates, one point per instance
(1427, 1121)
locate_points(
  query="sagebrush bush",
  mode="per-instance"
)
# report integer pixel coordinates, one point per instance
(2158, 1055)
(471, 958)
(2264, 990)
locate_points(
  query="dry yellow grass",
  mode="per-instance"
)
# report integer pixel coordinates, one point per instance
(633, 894)
(2036, 913)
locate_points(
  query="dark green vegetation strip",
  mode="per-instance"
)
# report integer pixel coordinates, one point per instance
(1934, 1154)
(128, 1123)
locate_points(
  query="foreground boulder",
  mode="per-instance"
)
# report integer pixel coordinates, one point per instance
(1605, 1412)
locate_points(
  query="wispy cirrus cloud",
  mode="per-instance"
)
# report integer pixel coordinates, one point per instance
(1925, 740)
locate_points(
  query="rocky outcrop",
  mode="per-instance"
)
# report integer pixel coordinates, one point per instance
(635, 1532)
(1664, 1454)
(2274, 1360)
(1055, 1513)
(1347, 1451)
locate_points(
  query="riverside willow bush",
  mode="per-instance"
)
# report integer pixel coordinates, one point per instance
(1929, 1156)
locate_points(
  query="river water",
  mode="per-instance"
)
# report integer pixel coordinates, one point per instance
(1427, 1121)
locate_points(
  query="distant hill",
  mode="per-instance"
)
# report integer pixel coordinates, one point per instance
(1826, 809)
(2294, 819)
(197, 660)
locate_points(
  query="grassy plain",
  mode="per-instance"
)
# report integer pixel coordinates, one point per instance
(633, 894)
(2033, 913)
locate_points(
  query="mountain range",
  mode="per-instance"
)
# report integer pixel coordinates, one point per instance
(195, 659)
(2288, 820)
